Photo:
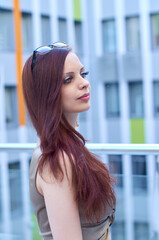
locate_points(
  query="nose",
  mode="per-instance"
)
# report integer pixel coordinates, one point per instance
(84, 83)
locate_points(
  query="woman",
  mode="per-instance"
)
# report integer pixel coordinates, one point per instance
(71, 190)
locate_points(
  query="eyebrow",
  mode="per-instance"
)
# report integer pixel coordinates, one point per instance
(82, 68)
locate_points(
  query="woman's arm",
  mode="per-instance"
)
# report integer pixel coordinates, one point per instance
(61, 206)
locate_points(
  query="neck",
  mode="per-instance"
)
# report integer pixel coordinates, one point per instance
(71, 118)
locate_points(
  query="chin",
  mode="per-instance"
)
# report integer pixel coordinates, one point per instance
(85, 109)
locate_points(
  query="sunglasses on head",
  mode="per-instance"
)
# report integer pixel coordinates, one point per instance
(45, 49)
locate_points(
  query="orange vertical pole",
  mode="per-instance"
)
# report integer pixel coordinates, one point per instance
(19, 61)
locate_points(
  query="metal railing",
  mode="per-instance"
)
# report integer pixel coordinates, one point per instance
(98, 147)
(137, 195)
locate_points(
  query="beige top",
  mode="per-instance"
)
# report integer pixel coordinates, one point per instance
(96, 231)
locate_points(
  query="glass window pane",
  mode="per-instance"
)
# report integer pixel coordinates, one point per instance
(139, 165)
(62, 30)
(112, 99)
(116, 167)
(109, 36)
(136, 99)
(133, 33)
(118, 231)
(27, 32)
(139, 171)
(156, 98)
(155, 30)
(45, 30)
(15, 189)
(141, 231)
(6, 30)
(78, 38)
(11, 106)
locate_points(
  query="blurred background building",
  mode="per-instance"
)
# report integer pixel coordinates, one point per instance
(118, 42)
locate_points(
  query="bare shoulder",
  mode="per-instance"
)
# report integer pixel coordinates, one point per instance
(47, 177)
(60, 195)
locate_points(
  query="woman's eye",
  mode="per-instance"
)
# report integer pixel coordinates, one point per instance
(67, 80)
(84, 74)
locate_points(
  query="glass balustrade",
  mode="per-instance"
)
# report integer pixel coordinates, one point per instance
(137, 192)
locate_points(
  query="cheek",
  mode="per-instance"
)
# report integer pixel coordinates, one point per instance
(66, 97)
(67, 100)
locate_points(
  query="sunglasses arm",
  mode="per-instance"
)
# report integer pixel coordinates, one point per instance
(33, 60)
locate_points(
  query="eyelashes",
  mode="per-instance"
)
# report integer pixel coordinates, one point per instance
(69, 78)
(84, 74)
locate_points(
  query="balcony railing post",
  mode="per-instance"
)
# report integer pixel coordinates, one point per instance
(5, 193)
(150, 185)
(128, 197)
(25, 196)
(155, 201)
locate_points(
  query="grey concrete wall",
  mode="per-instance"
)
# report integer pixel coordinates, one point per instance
(45, 7)
(94, 101)
(108, 8)
(131, 7)
(91, 27)
(132, 66)
(102, 69)
(140, 200)
(6, 4)
(62, 8)
(154, 5)
(156, 127)
(155, 65)
(26, 6)
(106, 68)
(31, 134)
(12, 134)
(114, 130)
(8, 63)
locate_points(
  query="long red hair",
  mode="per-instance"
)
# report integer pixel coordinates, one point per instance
(92, 181)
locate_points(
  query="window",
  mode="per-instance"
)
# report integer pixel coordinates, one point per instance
(136, 100)
(62, 30)
(141, 231)
(139, 173)
(27, 31)
(45, 30)
(133, 33)
(116, 168)
(156, 98)
(78, 38)
(155, 30)
(112, 99)
(15, 188)
(118, 230)
(109, 36)
(11, 106)
(6, 30)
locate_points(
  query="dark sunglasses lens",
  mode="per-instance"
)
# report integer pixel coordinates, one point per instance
(43, 49)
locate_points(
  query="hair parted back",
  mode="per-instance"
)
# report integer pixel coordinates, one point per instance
(92, 181)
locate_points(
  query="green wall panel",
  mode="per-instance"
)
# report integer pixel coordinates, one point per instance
(77, 10)
(137, 130)
(35, 230)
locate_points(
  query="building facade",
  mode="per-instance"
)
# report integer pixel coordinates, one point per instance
(118, 42)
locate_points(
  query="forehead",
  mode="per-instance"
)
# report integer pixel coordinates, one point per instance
(72, 63)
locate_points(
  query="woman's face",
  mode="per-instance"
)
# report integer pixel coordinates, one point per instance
(76, 88)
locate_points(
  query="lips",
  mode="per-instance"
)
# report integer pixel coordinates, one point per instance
(84, 97)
